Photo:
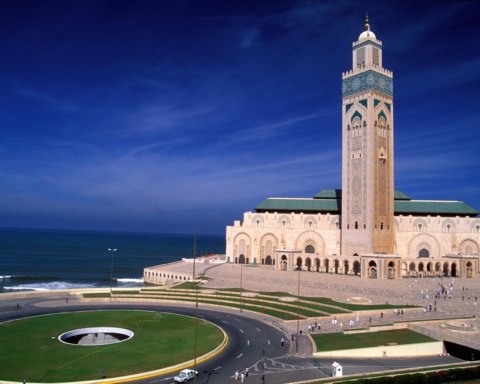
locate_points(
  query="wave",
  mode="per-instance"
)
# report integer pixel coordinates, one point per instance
(24, 277)
(5, 277)
(127, 280)
(49, 286)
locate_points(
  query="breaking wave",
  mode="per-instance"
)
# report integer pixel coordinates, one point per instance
(49, 286)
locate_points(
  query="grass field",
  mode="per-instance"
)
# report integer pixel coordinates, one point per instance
(339, 341)
(30, 349)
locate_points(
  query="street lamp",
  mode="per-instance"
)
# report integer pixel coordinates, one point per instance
(111, 273)
(241, 284)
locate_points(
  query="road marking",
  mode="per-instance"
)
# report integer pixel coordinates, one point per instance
(156, 381)
(248, 342)
(240, 330)
(237, 319)
(239, 355)
(224, 322)
(217, 368)
(258, 329)
(268, 342)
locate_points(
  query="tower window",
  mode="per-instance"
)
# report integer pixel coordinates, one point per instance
(361, 57)
(356, 224)
(376, 56)
(381, 226)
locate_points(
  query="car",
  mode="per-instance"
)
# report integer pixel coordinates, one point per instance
(185, 375)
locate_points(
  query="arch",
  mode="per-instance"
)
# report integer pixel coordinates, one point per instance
(403, 270)
(430, 267)
(372, 270)
(283, 221)
(326, 265)
(336, 266)
(284, 263)
(303, 240)
(420, 225)
(299, 262)
(424, 253)
(446, 269)
(469, 270)
(437, 267)
(317, 264)
(466, 244)
(448, 225)
(426, 241)
(258, 218)
(310, 222)
(308, 264)
(356, 268)
(453, 269)
(346, 266)
(412, 267)
(241, 259)
(268, 260)
(421, 267)
(309, 249)
(475, 226)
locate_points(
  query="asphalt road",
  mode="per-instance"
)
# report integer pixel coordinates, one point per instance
(248, 339)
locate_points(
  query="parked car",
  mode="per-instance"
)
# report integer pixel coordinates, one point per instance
(185, 375)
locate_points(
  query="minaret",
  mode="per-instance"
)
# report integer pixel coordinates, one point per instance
(367, 151)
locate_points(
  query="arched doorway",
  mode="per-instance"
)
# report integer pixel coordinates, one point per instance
(283, 262)
(403, 271)
(412, 269)
(268, 260)
(241, 259)
(317, 265)
(336, 266)
(308, 264)
(356, 268)
(424, 253)
(454, 270)
(372, 269)
(391, 270)
(469, 270)
(299, 262)
(437, 268)
(309, 249)
(445, 269)
(345, 267)
(326, 266)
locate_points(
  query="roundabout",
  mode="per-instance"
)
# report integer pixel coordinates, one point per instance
(119, 343)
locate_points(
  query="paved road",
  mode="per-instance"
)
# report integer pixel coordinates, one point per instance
(248, 338)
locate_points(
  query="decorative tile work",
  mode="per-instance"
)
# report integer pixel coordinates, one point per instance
(364, 103)
(389, 106)
(348, 106)
(382, 114)
(365, 81)
(365, 43)
(375, 103)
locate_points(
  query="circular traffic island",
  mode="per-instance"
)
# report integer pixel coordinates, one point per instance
(78, 346)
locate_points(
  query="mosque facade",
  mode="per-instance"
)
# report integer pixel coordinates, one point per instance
(367, 228)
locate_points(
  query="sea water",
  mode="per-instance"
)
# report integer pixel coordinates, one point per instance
(45, 260)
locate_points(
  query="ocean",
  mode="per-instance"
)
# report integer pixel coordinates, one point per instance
(46, 259)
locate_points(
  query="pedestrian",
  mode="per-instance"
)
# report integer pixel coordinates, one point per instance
(319, 326)
(292, 336)
(381, 315)
(475, 303)
(262, 375)
(67, 300)
(341, 324)
(242, 376)
(468, 297)
(246, 371)
(282, 341)
(236, 375)
(463, 298)
(309, 328)
(358, 318)
(400, 301)
(333, 321)
(370, 319)
(18, 306)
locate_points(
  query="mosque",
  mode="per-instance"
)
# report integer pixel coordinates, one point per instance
(366, 228)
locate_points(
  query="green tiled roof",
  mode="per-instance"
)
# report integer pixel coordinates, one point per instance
(334, 206)
(337, 194)
(434, 207)
(301, 205)
(329, 194)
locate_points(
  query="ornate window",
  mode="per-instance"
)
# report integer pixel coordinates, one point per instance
(284, 224)
(424, 253)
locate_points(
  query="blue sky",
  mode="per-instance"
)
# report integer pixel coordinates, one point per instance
(169, 116)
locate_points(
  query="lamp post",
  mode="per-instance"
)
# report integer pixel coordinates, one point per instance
(196, 308)
(241, 284)
(298, 307)
(111, 273)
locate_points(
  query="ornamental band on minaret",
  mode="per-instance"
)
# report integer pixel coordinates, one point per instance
(367, 151)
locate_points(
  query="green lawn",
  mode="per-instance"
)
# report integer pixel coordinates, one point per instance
(28, 351)
(339, 341)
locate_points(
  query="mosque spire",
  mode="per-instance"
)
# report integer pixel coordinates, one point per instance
(367, 26)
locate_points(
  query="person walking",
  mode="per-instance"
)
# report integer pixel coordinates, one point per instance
(242, 377)
(246, 371)
(262, 375)
(282, 341)
(236, 375)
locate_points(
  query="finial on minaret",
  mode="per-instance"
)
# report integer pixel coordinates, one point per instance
(367, 26)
